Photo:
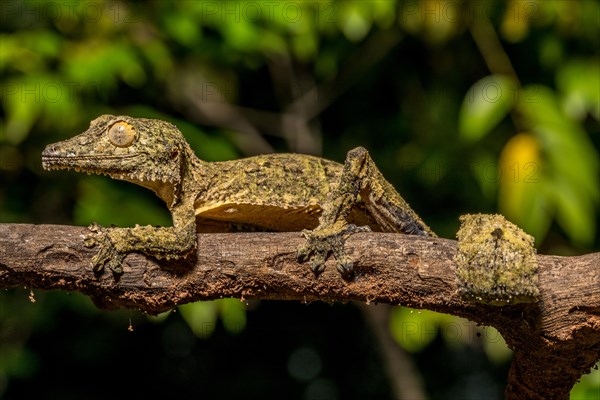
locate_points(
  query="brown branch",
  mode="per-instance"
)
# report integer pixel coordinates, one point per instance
(555, 341)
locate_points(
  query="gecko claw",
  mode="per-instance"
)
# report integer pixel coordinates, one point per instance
(344, 266)
(322, 242)
(107, 255)
(317, 262)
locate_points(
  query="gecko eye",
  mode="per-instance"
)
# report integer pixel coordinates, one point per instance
(121, 134)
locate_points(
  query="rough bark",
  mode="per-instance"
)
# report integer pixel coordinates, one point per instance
(555, 340)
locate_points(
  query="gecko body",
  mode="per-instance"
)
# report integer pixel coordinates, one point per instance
(325, 200)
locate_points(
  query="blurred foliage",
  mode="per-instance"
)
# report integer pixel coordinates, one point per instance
(416, 329)
(500, 99)
(202, 316)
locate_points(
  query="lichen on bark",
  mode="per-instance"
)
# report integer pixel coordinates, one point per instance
(496, 261)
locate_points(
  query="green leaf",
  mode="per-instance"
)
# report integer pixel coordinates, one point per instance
(484, 106)
(573, 212)
(495, 346)
(355, 21)
(579, 81)
(99, 195)
(588, 385)
(305, 46)
(413, 329)
(183, 29)
(201, 317)
(242, 36)
(572, 190)
(233, 314)
(23, 99)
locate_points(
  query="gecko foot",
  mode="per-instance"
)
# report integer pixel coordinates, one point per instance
(322, 242)
(107, 255)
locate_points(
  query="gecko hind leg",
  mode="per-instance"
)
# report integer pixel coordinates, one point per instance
(360, 176)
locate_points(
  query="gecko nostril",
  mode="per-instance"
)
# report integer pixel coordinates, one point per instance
(52, 150)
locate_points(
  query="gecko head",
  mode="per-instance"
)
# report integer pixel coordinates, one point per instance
(148, 152)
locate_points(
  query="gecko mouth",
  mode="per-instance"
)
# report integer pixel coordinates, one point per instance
(77, 163)
(103, 165)
(90, 164)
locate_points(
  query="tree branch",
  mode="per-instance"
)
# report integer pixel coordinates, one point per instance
(555, 340)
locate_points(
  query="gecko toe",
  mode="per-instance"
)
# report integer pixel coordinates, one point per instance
(344, 264)
(303, 253)
(320, 243)
(98, 263)
(117, 269)
(317, 263)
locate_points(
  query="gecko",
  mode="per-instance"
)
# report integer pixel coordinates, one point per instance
(324, 200)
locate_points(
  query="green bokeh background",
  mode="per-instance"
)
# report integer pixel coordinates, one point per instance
(465, 106)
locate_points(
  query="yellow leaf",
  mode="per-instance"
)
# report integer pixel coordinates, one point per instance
(521, 186)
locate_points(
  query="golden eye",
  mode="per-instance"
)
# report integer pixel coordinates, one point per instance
(121, 134)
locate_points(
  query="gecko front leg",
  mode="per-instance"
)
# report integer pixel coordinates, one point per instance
(168, 242)
(360, 176)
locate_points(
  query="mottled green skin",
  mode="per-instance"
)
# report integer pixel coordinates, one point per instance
(276, 192)
(496, 261)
